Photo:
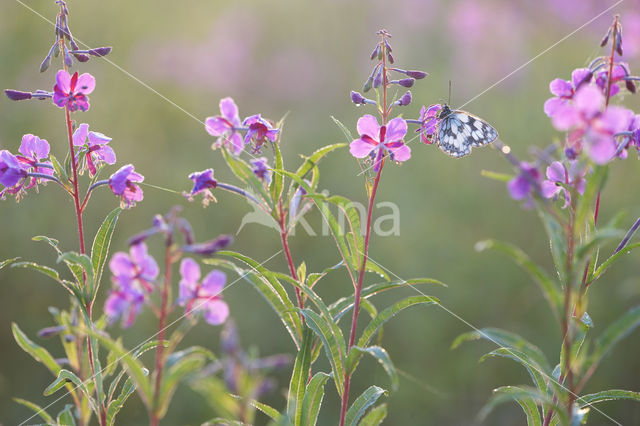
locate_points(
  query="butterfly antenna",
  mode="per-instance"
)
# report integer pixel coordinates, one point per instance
(449, 92)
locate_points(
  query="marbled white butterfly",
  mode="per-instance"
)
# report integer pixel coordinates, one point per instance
(459, 131)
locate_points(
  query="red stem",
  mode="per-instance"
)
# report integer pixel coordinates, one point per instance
(284, 236)
(74, 166)
(168, 263)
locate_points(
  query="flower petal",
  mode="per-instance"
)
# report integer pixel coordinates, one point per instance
(86, 83)
(360, 148)
(560, 87)
(189, 270)
(63, 81)
(368, 125)
(400, 151)
(80, 135)
(396, 129)
(216, 312)
(556, 172)
(213, 283)
(229, 110)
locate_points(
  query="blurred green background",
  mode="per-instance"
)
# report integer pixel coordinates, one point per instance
(304, 58)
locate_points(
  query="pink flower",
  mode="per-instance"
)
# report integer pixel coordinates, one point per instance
(72, 91)
(429, 120)
(225, 126)
(564, 90)
(260, 130)
(123, 183)
(376, 140)
(203, 295)
(559, 177)
(97, 149)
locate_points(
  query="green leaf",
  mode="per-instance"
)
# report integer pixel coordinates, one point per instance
(538, 374)
(558, 246)
(333, 343)
(595, 182)
(299, 377)
(51, 241)
(269, 287)
(80, 262)
(134, 367)
(375, 416)
(381, 355)
(508, 340)
(345, 304)
(50, 272)
(547, 285)
(502, 177)
(607, 395)
(8, 262)
(345, 129)
(524, 396)
(181, 368)
(362, 403)
(245, 173)
(65, 417)
(313, 396)
(596, 239)
(116, 405)
(66, 377)
(36, 409)
(277, 181)
(37, 352)
(311, 161)
(613, 258)
(100, 246)
(268, 410)
(389, 312)
(617, 331)
(221, 421)
(60, 171)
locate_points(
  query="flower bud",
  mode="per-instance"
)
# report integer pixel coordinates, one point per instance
(418, 75)
(630, 86)
(375, 52)
(48, 332)
(377, 80)
(357, 98)
(208, 248)
(16, 95)
(405, 99)
(74, 45)
(100, 51)
(406, 82)
(367, 85)
(81, 57)
(68, 60)
(605, 39)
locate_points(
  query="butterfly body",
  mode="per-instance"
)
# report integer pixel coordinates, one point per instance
(458, 131)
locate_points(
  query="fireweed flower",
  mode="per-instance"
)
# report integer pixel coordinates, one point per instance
(34, 150)
(225, 126)
(525, 184)
(96, 145)
(565, 90)
(202, 296)
(260, 130)
(123, 184)
(71, 91)
(125, 301)
(559, 177)
(202, 182)
(261, 169)
(11, 172)
(618, 75)
(138, 265)
(429, 121)
(592, 126)
(376, 140)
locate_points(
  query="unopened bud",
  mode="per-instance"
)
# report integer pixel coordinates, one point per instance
(357, 98)
(100, 51)
(630, 86)
(210, 247)
(377, 80)
(367, 85)
(68, 60)
(374, 54)
(81, 57)
(16, 95)
(406, 82)
(418, 75)
(605, 39)
(405, 99)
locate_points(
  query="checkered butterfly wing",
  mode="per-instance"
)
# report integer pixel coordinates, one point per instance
(459, 131)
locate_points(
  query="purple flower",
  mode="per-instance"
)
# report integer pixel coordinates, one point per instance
(559, 177)
(123, 184)
(97, 149)
(429, 120)
(260, 130)
(137, 265)
(34, 150)
(564, 90)
(125, 300)
(593, 128)
(225, 126)
(525, 184)
(376, 140)
(618, 75)
(71, 91)
(10, 169)
(261, 169)
(202, 296)
(632, 136)
(202, 181)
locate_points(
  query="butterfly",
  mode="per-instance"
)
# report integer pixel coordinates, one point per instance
(458, 131)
